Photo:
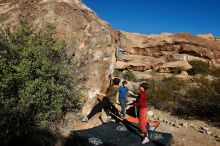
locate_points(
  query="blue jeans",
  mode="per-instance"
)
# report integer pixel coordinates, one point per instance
(123, 103)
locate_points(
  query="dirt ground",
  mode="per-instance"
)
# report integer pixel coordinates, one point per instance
(187, 132)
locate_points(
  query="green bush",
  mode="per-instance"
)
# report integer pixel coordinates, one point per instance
(215, 71)
(199, 67)
(117, 73)
(130, 76)
(203, 68)
(161, 92)
(36, 87)
(205, 98)
(197, 98)
(135, 88)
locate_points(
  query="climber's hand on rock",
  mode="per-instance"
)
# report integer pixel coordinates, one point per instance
(98, 93)
(101, 94)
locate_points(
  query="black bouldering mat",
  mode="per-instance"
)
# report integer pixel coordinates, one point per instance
(117, 134)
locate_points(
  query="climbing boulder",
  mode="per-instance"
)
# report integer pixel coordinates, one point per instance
(177, 66)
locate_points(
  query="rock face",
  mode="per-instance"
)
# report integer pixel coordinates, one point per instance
(87, 36)
(176, 66)
(165, 53)
(208, 36)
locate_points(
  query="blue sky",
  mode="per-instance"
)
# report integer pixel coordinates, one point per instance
(156, 16)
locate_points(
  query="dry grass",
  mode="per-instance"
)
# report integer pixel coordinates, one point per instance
(199, 98)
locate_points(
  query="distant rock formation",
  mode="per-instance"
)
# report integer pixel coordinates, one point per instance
(207, 36)
(165, 52)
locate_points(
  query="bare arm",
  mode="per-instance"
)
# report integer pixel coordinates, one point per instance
(132, 93)
(101, 94)
(112, 77)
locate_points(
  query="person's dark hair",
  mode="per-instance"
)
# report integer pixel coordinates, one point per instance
(116, 81)
(124, 82)
(144, 85)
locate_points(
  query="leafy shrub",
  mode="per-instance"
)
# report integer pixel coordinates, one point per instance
(135, 88)
(162, 91)
(205, 97)
(117, 73)
(199, 67)
(36, 87)
(200, 90)
(130, 76)
(215, 71)
(198, 98)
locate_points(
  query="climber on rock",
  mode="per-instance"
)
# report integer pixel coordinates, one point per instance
(107, 103)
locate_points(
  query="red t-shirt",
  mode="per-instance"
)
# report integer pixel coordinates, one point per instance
(142, 100)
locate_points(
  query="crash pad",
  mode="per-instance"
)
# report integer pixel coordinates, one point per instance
(117, 134)
(150, 124)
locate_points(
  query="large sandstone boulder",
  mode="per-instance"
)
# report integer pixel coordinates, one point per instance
(138, 62)
(183, 76)
(165, 53)
(134, 65)
(89, 38)
(163, 45)
(207, 36)
(177, 66)
(143, 75)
